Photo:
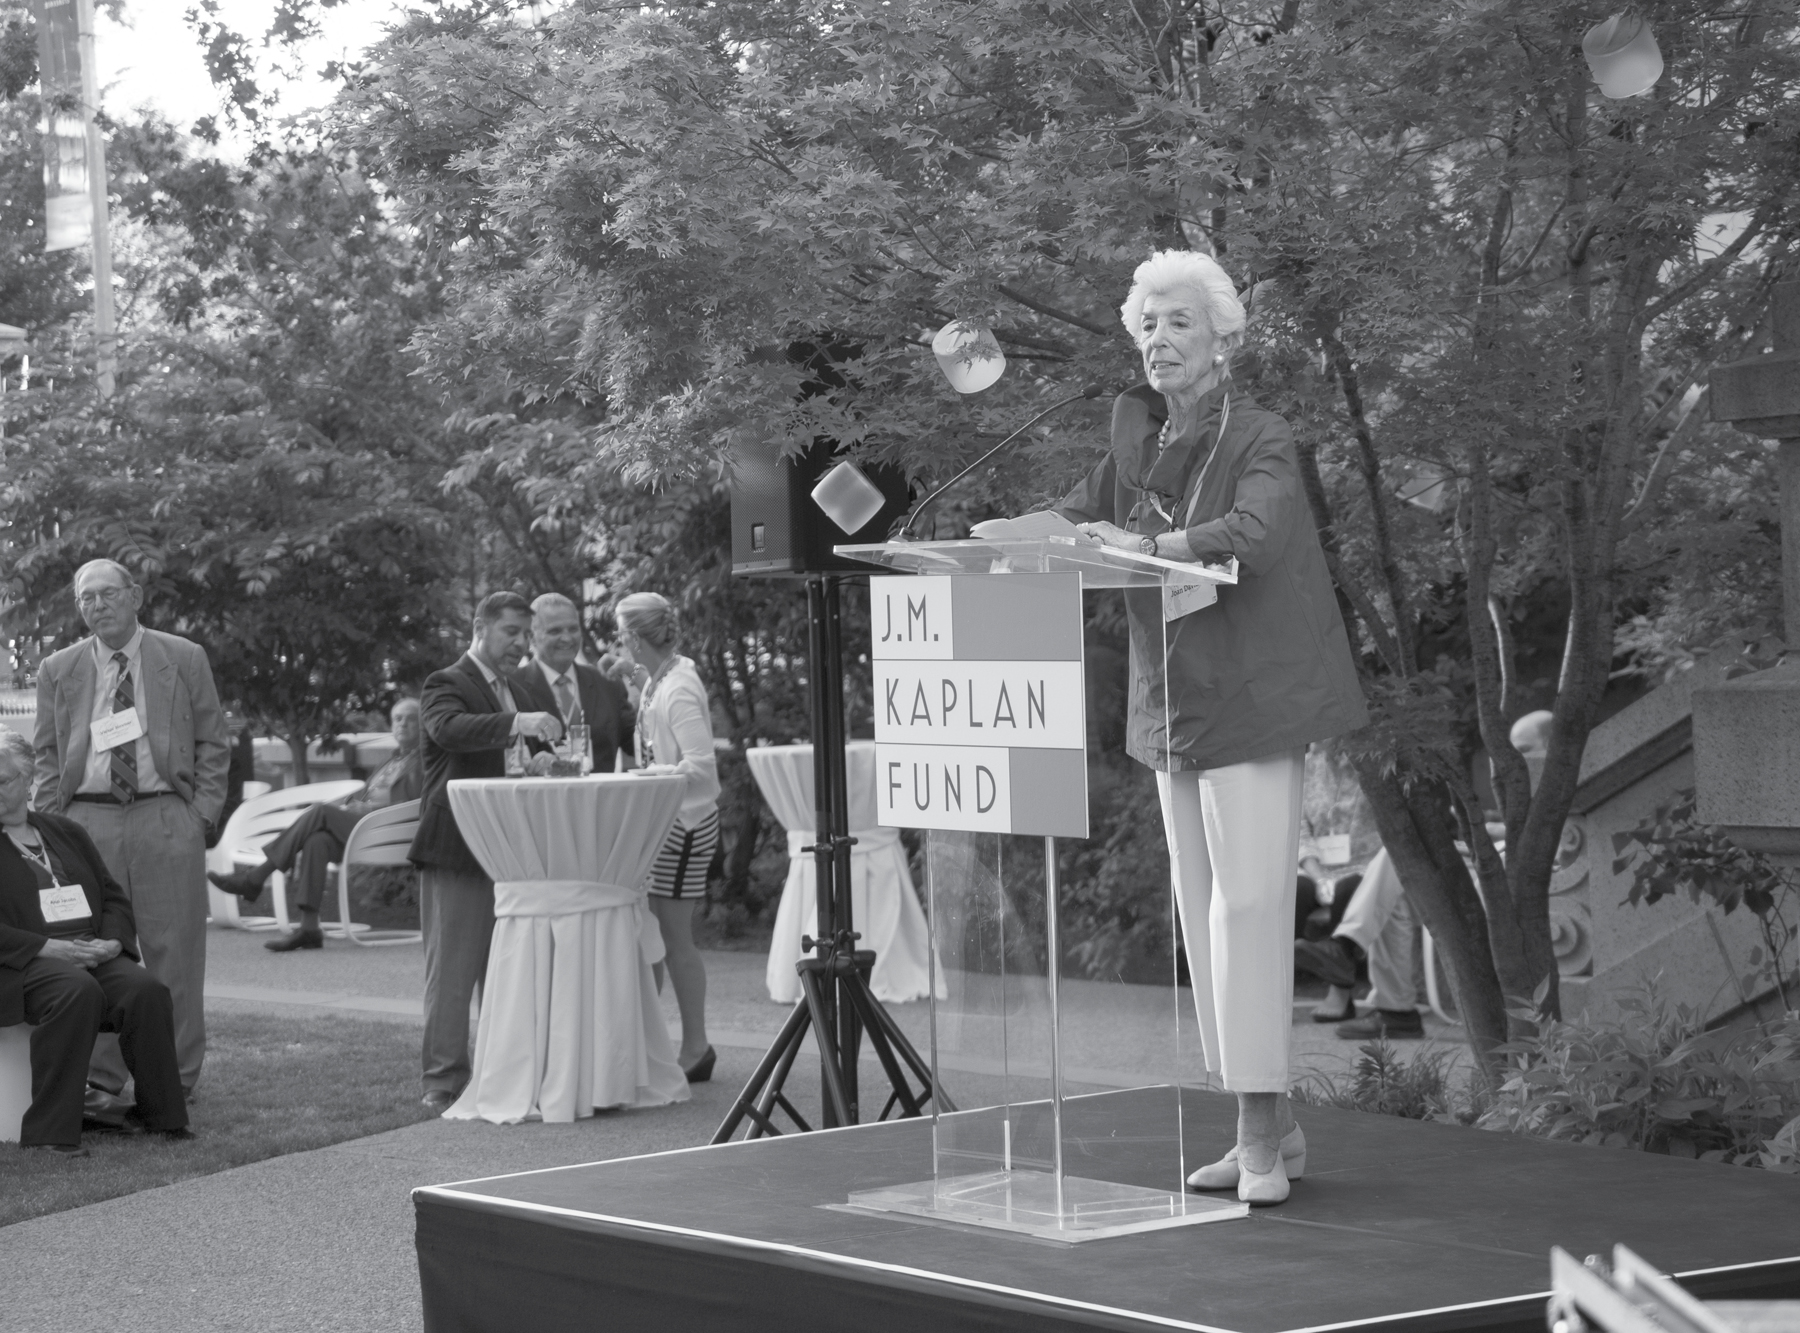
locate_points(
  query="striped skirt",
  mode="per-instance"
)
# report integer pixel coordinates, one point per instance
(681, 865)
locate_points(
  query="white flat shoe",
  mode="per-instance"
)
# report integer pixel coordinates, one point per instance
(1259, 1191)
(1223, 1174)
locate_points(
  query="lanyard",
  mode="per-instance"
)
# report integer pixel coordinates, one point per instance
(1200, 482)
(39, 856)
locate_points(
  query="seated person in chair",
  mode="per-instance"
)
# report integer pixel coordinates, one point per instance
(317, 838)
(69, 966)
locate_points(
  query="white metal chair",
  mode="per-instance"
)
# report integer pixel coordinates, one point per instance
(254, 825)
(382, 838)
(15, 1079)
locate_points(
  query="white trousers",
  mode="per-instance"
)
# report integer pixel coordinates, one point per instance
(1234, 843)
(1381, 923)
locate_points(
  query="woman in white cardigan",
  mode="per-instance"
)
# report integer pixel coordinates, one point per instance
(674, 735)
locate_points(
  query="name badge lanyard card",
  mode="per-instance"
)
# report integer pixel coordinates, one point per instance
(59, 902)
(1175, 600)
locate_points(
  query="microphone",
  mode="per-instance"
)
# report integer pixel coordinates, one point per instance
(1088, 392)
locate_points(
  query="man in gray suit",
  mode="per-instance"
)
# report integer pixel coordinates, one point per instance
(131, 744)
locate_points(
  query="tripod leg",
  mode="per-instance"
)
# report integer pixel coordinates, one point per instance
(837, 1104)
(883, 1021)
(779, 1056)
(864, 1003)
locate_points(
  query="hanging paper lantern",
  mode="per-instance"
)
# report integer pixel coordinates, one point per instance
(848, 497)
(1623, 55)
(969, 355)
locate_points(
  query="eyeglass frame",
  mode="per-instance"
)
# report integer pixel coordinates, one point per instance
(112, 595)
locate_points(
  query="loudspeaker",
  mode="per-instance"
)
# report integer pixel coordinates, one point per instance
(777, 529)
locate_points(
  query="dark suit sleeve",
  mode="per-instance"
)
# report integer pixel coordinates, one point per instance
(1092, 500)
(453, 726)
(212, 742)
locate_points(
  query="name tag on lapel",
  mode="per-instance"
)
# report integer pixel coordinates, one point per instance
(63, 902)
(116, 729)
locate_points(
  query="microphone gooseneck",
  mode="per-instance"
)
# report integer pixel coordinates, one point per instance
(1088, 391)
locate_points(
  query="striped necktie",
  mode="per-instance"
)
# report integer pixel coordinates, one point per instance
(124, 754)
(567, 702)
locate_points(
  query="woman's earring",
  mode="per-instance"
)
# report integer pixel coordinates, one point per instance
(1218, 358)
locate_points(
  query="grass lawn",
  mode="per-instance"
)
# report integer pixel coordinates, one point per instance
(272, 1085)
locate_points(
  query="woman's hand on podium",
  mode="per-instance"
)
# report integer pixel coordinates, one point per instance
(1110, 534)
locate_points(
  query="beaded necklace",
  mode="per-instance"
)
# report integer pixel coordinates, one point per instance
(646, 745)
(39, 855)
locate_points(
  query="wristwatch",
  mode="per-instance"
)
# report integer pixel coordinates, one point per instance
(1147, 545)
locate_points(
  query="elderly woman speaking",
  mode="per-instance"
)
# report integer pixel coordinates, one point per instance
(1198, 472)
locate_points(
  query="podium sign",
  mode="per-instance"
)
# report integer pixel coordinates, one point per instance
(980, 704)
(980, 735)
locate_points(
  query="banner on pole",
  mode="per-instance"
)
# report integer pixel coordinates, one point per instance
(68, 210)
(980, 704)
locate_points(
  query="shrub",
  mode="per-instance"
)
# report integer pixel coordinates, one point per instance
(1659, 1082)
(1383, 1083)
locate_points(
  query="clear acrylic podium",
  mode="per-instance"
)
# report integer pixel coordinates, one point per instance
(1070, 1125)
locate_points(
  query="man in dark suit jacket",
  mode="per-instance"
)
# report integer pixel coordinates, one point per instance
(577, 694)
(471, 715)
(69, 965)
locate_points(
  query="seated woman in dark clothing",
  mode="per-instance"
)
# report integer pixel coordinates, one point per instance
(68, 964)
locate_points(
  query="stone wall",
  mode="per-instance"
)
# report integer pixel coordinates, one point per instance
(1634, 761)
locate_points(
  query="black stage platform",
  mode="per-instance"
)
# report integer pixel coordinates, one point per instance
(1398, 1225)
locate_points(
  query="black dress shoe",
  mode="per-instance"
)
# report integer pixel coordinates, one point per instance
(701, 1072)
(57, 1149)
(297, 939)
(126, 1128)
(437, 1102)
(241, 882)
(1329, 960)
(1383, 1023)
(182, 1135)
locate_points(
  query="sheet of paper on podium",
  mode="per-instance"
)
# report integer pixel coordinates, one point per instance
(980, 705)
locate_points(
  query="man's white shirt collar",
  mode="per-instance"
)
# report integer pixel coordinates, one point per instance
(133, 649)
(492, 676)
(552, 676)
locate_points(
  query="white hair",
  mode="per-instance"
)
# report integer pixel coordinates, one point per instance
(114, 565)
(553, 601)
(1190, 271)
(15, 749)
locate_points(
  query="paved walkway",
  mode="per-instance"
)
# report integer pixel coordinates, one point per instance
(323, 1240)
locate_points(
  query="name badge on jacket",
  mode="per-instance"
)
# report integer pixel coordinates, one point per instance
(116, 729)
(63, 902)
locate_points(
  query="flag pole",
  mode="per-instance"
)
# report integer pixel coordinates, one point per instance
(106, 351)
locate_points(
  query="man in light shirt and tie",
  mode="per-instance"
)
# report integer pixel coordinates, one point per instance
(131, 744)
(578, 694)
(470, 714)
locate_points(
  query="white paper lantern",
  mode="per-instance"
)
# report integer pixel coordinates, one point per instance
(848, 497)
(969, 355)
(1623, 55)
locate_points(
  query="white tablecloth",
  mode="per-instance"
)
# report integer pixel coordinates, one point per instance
(882, 899)
(570, 1020)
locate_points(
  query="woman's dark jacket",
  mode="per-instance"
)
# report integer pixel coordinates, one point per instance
(22, 923)
(1266, 668)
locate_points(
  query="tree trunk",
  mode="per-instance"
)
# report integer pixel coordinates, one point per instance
(297, 743)
(1415, 827)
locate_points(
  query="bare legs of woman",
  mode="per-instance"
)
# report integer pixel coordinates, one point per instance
(687, 973)
(1264, 1118)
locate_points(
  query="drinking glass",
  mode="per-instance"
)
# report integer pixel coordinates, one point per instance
(580, 748)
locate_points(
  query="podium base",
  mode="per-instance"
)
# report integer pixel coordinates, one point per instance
(1030, 1203)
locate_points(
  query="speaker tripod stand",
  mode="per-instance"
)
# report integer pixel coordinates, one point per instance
(836, 1006)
